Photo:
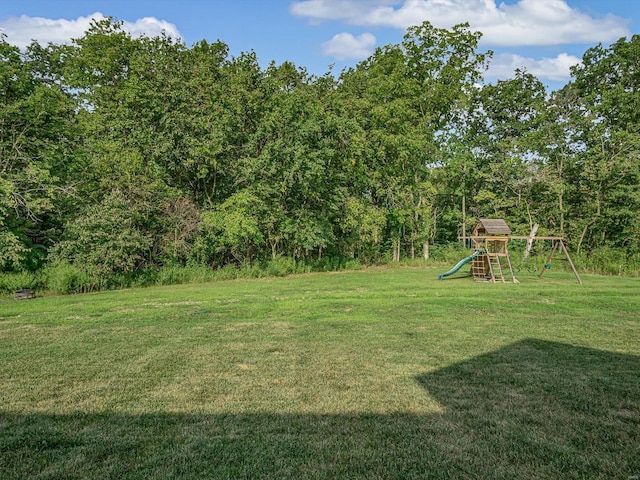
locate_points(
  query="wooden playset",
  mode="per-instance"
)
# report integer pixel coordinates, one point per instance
(491, 235)
(491, 262)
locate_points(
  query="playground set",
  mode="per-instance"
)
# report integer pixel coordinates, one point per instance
(490, 261)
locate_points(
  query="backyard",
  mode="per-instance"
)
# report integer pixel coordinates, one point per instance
(376, 373)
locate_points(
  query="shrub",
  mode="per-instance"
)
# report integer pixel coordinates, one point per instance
(146, 277)
(233, 229)
(609, 261)
(104, 240)
(449, 253)
(172, 275)
(12, 282)
(175, 274)
(12, 251)
(353, 264)
(65, 278)
(280, 266)
(228, 272)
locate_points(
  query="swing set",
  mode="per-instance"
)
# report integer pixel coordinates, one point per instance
(558, 243)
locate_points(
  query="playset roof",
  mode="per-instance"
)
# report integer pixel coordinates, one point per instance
(492, 226)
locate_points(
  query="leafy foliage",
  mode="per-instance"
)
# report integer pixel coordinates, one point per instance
(121, 156)
(36, 123)
(105, 240)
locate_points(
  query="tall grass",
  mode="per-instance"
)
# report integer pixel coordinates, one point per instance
(63, 278)
(608, 261)
(12, 282)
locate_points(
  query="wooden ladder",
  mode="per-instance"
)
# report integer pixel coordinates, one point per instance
(478, 270)
(495, 268)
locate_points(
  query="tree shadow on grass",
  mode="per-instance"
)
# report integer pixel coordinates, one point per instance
(533, 409)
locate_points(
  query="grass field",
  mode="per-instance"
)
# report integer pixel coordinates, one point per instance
(379, 373)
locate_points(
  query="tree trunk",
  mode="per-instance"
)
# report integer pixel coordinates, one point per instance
(534, 230)
(396, 250)
(587, 226)
(464, 220)
(561, 206)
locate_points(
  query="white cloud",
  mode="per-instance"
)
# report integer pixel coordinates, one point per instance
(527, 22)
(547, 69)
(151, 27)
(346, 10)
(22, 30)
(345, 46)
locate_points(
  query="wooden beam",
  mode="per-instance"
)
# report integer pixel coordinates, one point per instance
(566, 252)
(520, 237)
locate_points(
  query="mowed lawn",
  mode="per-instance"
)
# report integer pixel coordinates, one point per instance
(379, 373)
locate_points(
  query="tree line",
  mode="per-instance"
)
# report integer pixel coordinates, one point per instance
(120, 154)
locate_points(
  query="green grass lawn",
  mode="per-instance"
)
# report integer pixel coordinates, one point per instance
(379, 373)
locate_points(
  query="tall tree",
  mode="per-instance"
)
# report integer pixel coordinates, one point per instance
(504, 123)
(36, 141)
(609, 85)
(295, 163)
(405, 96)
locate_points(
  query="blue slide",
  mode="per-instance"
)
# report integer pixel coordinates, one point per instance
(460, 264)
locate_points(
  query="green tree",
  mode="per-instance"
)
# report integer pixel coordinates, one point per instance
(608, 84)
(36, 141)
(294, 162)
(503, 135)
(105, 240)
(233, 228)
(363, 228)
(404, 97)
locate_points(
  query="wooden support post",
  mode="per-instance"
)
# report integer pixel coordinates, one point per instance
(559, 242)
(575, 272)
(513, 277)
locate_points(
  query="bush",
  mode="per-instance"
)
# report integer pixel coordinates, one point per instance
(327, 264)
(65, 278)
(105, 240)
(12, 282)
(449, 253)
(146, 277)
(250, 270)
(353, 264)
(176, 274)
(228, 272)
(173, 275)
(280, 266)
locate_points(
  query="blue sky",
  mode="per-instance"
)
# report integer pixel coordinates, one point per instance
(544, 36)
